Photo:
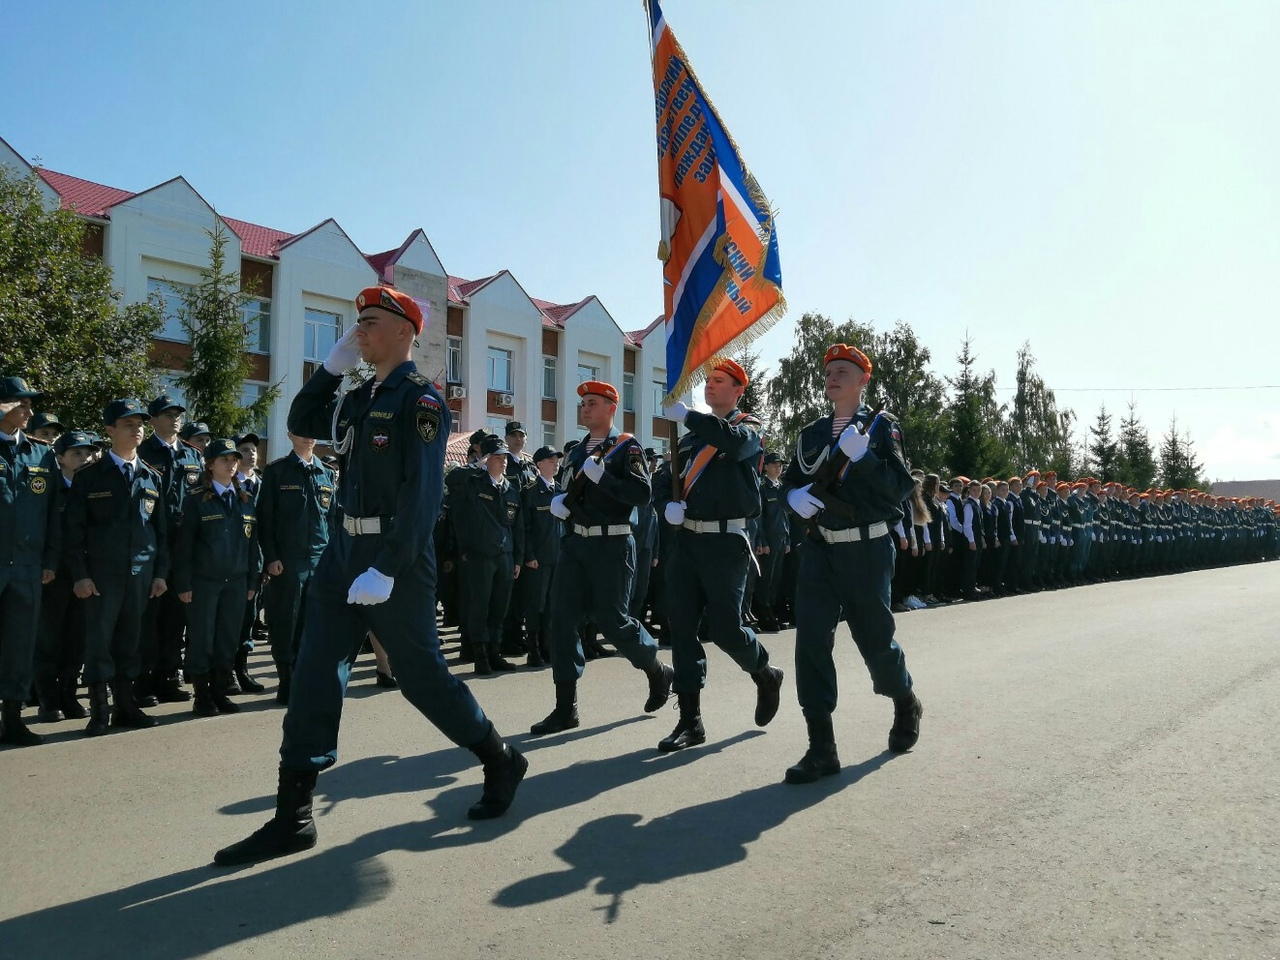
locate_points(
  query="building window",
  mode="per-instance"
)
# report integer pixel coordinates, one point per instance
(497, 424)
(172, 303)
(548, 378)
(453, 360)
(257, 322)
(587, 372)
(500, 364)
(320, 331)
(250, 393)
(171, 383)
(629, 392)
(549, 435)
(659, 391)
(662, 445)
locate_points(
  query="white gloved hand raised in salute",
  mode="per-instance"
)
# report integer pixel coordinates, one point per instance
(344, 355)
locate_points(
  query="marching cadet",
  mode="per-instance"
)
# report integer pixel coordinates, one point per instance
(848, 478)
(542, 534)
(378, 572)
(45, 427)
(60, 643)
(774, 542)
(294, 507)
(216, 567)
(30, 538)
(118, 549)
(251, 483)
(608, 481)
(485, 507)
(181, 469)
(719, 492)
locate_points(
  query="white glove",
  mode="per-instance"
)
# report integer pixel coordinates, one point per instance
(594, 469)
(558, 509)
(804, 503)
(344, 355)
(675, 512)
(371, 587)
(677, 412)
(853, 443)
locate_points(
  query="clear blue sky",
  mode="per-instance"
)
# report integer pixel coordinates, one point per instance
(1099, 178)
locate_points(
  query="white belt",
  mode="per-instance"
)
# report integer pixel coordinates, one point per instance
(617, 530)
(1077, 526)
(1033, 523)
(854, 534)
(357, 526)
(736, 525)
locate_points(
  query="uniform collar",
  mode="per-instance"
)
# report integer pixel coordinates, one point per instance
(398, 374)
(120, 463)
(219, 489)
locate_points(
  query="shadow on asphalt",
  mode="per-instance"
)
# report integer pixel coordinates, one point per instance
(201, 909)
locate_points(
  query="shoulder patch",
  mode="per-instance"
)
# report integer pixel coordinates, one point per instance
(417, 378)
(427, 423)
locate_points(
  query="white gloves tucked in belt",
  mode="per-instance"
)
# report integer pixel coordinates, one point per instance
(371, 587)
(804, 503)
(674, 512)
(558, 509)
(594, 469)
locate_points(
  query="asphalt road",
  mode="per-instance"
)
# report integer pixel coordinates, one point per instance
(1097, 777)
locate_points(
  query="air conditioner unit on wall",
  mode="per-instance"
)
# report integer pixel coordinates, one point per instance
(457, 392)
(506, 399)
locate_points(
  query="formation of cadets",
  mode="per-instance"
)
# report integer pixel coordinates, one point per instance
(143, 560)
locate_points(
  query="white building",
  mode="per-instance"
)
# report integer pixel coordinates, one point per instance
(497, 353)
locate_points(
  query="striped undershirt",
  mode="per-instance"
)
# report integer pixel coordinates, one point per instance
(592, 443)
(838, 426)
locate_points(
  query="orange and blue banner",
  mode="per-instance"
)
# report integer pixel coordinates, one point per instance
(721, 273)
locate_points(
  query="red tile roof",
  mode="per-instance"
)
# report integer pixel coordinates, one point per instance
(455, 451)
(637, 336)
(258, 241)
(379, 261)
(85, 197)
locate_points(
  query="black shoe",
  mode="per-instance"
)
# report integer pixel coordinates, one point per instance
(126, 712)
(144, 694)
(907, 712)
(71, 706)
(50, 702)
(500, 663)
(821, 759)
(504, 768)
(466, 652)
(229, 686)
(99, 711)
(246, 682)
(203, 705)
(660, 678)
(386, 681)
(564, 716)
(768, 694)
(291, 830)
(169, 690)
(535, 657)
(15, 732)
(218, 692)
(482, 667)
(689, 731)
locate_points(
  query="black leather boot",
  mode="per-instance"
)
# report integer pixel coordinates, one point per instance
(498, 662)
(144, 692)
(284, 678)
(535, 654)
(504, 768)
(482, 667)
(821, 759)
(768, 692)
(169, 690)
(218, 692)
(291, 830)
(564, 716)
(203, 705)
(68, 688)
(15, 732)
(660, 676)
(50, 701)
(126, 712)
(247, 683)
(689, 732)
(905, 731)
(99, 711)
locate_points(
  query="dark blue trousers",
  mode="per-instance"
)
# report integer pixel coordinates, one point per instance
(19, 621)
(849, 582)
(213, 623)
(283, 601)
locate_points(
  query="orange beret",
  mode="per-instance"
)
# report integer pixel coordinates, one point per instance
(1063, 485)
(1042, 485)
(733, 369)
(598, 388)
(395, 301)
(1030, 474)
(842, 351)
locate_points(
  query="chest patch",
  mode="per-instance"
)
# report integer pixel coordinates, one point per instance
(38, 485)
(380, 441)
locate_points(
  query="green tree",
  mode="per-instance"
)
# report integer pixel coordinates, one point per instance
(975, 444)
(1179, 467)
(213, 315)
(1136, 463)
(755, 398)
(1039, 433)
(1103, 450)
(62, 324)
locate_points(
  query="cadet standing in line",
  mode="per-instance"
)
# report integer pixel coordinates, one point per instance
(485, 506)
(774, 541)
(520, 473)
(848, 477)
(707, 575)
(294, 508)
(250, 482)
(118, 549)
(60, 643)
(609, 479)
(542, 533)
(45, 427)
(196, 434)
(30, 538)
(216, 567)
(181, 469)
(378, 573)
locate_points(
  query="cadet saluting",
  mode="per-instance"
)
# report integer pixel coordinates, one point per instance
(378, 573)
(854, 459)
(216, 567)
